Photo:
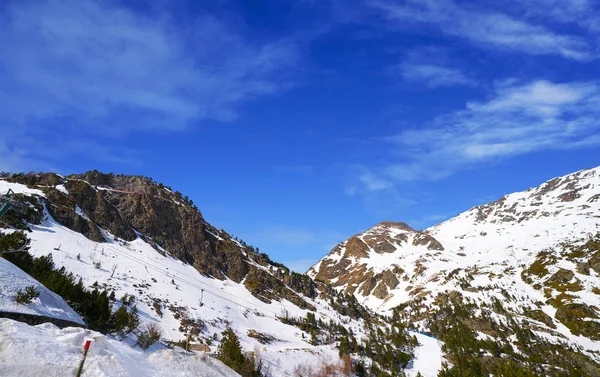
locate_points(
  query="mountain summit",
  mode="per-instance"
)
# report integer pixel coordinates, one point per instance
(534, 256)
(391, 263)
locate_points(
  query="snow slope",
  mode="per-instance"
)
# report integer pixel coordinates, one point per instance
(494, 237)
(479, 253)
(48, 304)
(45, 350)
(17, 189)
(156, 279)
(428, 357)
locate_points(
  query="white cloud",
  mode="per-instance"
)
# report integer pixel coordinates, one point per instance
(374, 183)
(541, 98)
(433, 75)
(581, 12)
(432, 66)
(517, 119)
(97, 68)
(487, 27)
(101, 61)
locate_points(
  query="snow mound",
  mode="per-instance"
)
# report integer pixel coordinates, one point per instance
(428, 357)
(48, 304)
(48, 351)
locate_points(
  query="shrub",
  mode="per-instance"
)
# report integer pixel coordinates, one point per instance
(27, 296)
(149, 336)
(127, 299)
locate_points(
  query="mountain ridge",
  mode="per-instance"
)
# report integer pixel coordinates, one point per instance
(151, 247)
(527, 252)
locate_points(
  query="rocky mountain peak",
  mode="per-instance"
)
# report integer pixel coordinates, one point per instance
(508, 232)
(393, 224)
(529, 258)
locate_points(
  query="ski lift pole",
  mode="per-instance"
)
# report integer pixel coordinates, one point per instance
(86, 347)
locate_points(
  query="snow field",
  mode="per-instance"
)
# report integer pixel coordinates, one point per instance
(48, 304)
(150, 275)
(45, 350)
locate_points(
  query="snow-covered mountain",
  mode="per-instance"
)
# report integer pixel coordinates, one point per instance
(535, 251)
(137, 238)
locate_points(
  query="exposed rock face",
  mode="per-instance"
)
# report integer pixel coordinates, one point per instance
(392, 263)
(97, 206)
(349, 263)
(266, 287)
(132, 206)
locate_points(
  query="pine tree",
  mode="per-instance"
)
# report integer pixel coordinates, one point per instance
(230, 351)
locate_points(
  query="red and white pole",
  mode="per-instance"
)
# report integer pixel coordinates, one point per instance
(86, 347)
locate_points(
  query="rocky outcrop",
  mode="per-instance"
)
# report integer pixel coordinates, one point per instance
(267, 288)
(347, 264)
(62, 208)
(424, 239)
(134, 206)
(100, 210)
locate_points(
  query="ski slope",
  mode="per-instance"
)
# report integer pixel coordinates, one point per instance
(157, 280)
(45, 350)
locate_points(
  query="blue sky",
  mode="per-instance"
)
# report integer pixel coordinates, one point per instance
(295, 124)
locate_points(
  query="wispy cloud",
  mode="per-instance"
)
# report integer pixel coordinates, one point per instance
(580, 12)
(99, 68)
(379, 193)
(374, 183)
(431, 66)
(518, 119)
(484, 26)
(433, 75)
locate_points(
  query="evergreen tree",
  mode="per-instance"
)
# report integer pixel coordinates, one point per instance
(230, 351)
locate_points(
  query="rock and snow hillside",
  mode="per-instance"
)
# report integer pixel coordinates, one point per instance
(134, 237)
(535, 251)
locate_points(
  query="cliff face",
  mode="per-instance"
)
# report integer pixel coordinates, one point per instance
(103, 205)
